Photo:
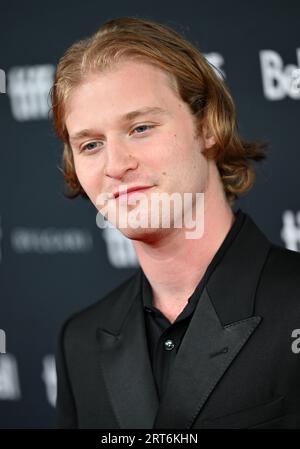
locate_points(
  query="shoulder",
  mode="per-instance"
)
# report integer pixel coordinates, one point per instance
(86, 320)
(283, 264)
(279, 284)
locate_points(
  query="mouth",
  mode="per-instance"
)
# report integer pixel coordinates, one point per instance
(131, 191)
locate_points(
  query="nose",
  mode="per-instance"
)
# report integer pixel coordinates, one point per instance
(118, 160)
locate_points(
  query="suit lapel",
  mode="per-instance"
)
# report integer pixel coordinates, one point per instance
(206, 352)
(126, 365)
(222, 323)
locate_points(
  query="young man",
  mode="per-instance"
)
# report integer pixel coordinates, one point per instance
(201, 335)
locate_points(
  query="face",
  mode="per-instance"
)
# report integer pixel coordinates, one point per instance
(157, 148)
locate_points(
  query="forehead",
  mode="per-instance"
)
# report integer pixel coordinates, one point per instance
(136, 69)
(124, 80)
(128, 86)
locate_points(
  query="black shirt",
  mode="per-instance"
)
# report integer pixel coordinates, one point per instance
(164, 338)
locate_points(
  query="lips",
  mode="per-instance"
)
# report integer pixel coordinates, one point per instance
(130, 190)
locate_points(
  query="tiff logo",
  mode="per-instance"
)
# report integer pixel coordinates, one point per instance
(2, 82)
(2, 342)
(28, 91)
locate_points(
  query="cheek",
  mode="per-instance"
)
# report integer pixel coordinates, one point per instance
(89, 176)
(188, 163)
(169, 150)
(176, 155)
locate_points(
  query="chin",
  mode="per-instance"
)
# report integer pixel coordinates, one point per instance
(146, 235)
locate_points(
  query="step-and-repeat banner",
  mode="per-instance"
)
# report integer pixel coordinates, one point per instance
(54, 259)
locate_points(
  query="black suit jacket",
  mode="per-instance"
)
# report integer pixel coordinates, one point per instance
(235, 367)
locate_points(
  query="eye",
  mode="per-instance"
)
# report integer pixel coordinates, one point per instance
(87, 147)
(143, 126)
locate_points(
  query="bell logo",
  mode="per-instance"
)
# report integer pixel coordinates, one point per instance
(279, 81)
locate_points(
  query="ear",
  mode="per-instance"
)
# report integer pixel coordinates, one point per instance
(208, 137)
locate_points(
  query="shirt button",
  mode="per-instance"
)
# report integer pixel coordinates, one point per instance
(169, 345)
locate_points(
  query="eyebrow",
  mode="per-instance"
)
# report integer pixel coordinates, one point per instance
(124, 118)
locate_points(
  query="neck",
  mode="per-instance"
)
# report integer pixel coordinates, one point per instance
(174, 265)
